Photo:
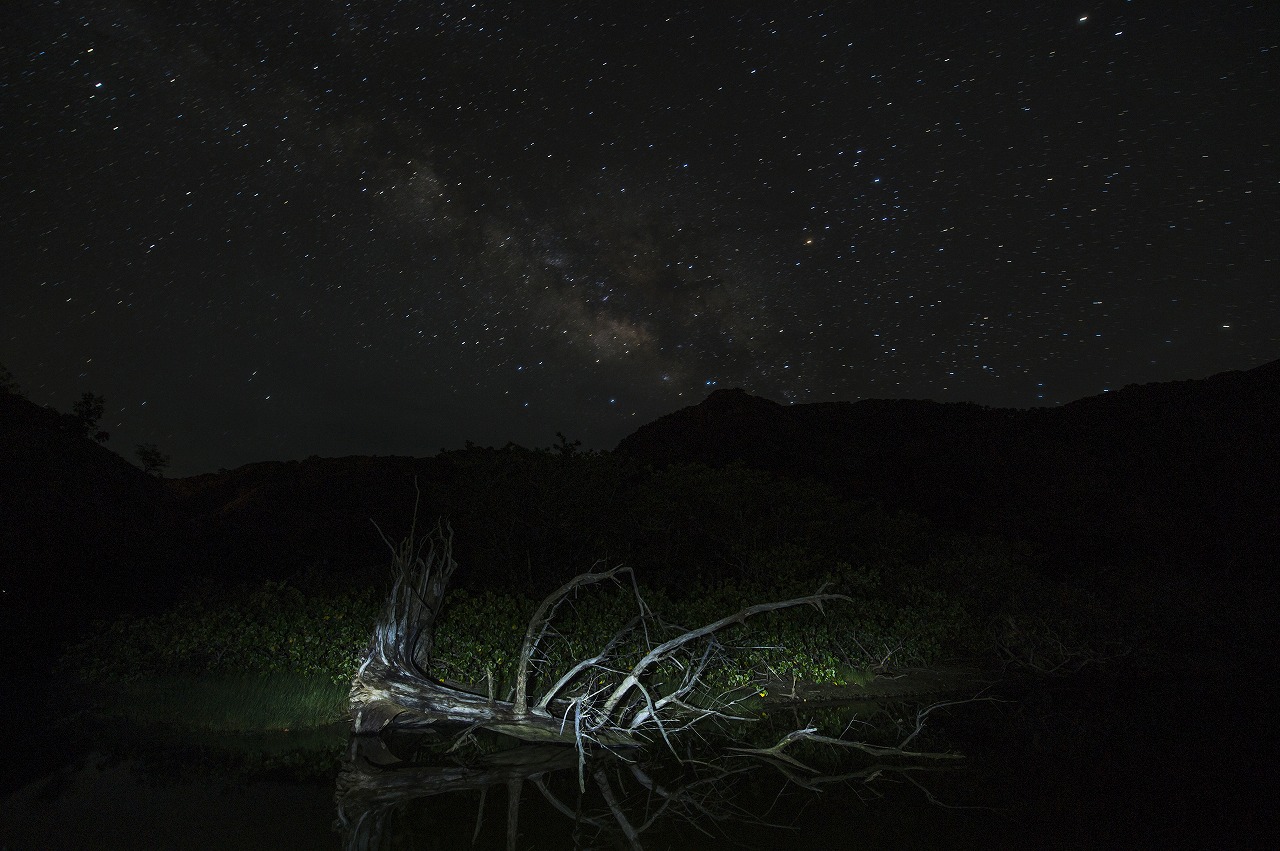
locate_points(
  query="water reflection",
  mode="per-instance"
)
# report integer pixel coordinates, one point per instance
(1104, 762)
(426, 790)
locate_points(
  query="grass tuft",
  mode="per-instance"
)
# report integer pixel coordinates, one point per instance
(230, 702)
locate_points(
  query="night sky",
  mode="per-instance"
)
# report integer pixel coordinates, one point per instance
(265, 230)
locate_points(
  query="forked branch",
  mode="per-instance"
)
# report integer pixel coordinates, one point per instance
(540, 622)
(667, 648)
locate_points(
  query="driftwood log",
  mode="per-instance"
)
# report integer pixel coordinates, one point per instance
(596, 701)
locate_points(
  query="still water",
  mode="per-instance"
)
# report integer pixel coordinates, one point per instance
(1104, 764)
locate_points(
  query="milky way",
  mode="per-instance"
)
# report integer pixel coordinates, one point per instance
(266, 230)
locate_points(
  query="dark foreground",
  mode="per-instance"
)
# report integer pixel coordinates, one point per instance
(1094, 761)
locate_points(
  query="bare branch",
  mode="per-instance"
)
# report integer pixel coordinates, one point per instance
(667, 647)
(784, 761)
(541, 621)
(583, 665)
(628, 831)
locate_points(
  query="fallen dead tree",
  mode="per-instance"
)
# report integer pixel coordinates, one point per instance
(608, 699)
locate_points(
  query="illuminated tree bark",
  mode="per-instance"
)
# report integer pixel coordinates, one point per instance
(592, 703)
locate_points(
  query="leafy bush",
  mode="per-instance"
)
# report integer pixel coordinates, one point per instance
(277, 629)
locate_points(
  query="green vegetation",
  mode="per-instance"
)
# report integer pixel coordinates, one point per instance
(278, 658)
(703, 543)
(272, 629)
(277, 630)
(274, 659)
(281, 659)
(229, 702)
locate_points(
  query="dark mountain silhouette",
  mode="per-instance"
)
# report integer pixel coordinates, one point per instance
(1182, 473)
(83, 533)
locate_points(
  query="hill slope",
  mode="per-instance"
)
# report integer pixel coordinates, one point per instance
(1180, 470)
(82, 531)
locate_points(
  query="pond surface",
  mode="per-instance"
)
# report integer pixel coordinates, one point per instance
(1102, 764)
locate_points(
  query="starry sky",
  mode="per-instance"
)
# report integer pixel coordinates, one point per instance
(265, 230)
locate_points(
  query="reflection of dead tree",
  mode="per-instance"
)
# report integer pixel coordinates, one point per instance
(378, 791)
(391, 782)
(376, 783)
(599, 700)
(810, 734)
(811, 778)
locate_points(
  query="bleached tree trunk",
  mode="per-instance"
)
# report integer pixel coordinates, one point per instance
(394, 686)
